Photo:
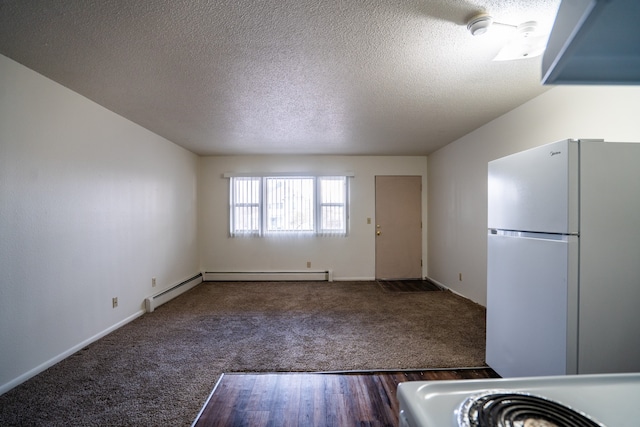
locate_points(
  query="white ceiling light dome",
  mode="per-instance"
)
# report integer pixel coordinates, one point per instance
(479, 24)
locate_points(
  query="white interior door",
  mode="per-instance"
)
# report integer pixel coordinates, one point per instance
(398, 227)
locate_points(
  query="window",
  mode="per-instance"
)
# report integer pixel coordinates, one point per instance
(280, 205)
(332, 205)
(245, 205)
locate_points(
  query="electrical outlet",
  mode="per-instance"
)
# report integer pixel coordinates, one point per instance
(308, 264)
(153, 281)
(114, 302)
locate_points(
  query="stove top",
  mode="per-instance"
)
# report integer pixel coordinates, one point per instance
(505, 408)
(573, 400)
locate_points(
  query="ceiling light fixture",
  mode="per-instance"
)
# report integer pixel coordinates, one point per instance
(527, 42)
(479, 24)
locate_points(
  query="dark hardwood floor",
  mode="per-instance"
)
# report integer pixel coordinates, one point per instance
(316, 399)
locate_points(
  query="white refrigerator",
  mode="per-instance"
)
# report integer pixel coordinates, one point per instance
(563, 265)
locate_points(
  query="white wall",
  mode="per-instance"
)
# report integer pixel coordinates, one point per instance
(92, 206)
(351, 257)
(458, 172)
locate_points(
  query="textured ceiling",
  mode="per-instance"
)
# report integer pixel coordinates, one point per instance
(378, 77)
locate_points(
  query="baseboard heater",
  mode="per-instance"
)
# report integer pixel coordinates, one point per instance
(158, 299)
(253, 276)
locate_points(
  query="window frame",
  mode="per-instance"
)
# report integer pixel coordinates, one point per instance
(319, 204)
(262, 211)
(233, 205)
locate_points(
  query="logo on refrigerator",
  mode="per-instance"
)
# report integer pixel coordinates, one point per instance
(553, 153)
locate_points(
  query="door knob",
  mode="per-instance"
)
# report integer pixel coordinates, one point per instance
(378, 233)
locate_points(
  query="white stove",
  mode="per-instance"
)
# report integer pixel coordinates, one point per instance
(611, 400)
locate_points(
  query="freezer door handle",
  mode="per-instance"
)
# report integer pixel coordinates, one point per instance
(530, 234)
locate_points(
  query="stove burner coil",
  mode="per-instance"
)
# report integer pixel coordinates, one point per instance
(515, 409)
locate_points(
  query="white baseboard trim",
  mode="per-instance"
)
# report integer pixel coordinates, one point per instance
(443, 286)
(49, 363)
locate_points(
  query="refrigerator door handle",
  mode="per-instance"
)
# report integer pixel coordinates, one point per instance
(530, 234)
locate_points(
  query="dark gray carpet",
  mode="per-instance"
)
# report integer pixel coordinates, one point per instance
(160, 368)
